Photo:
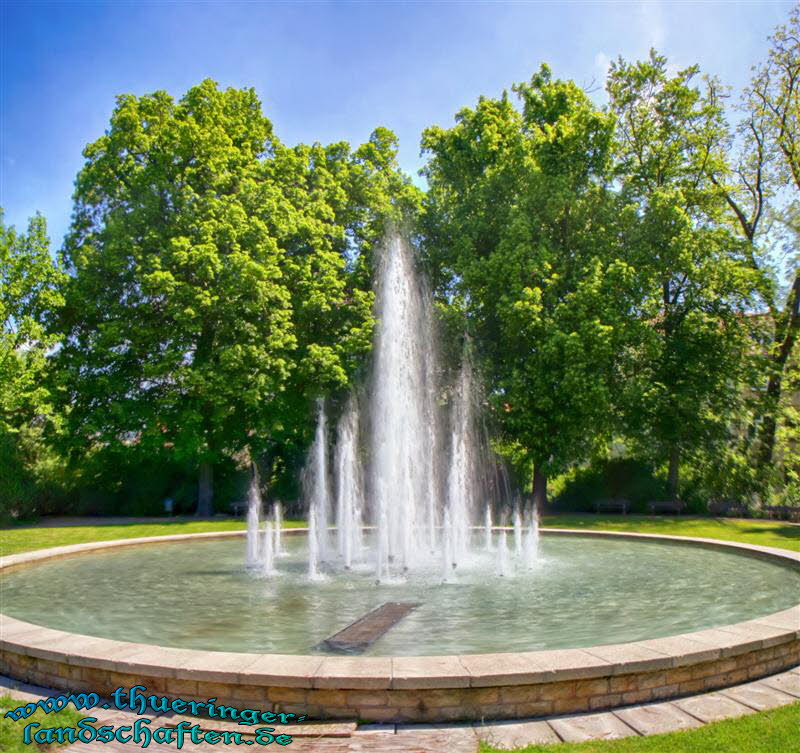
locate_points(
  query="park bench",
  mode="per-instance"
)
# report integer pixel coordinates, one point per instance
(237, 508)
(727, 508)
(612, 505)
(781, 512)
(666, 505)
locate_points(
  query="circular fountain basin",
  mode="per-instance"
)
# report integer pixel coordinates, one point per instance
(601, 620)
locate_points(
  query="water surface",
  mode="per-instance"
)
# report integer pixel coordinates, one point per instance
(583, 591)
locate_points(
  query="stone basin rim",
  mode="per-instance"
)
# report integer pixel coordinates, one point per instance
(395, 672)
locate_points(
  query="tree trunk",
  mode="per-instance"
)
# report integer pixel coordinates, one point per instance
(205, 491)
(539, 489)
(673, 478)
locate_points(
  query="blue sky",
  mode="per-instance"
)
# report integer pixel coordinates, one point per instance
(325, 71)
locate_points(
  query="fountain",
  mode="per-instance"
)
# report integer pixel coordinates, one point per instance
(409, 558)
(409, 457)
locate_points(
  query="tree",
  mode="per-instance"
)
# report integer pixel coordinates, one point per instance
(29, 292)
(209, 274)
(762, 181)
(355, 192)
(685, 377)
(523, 229)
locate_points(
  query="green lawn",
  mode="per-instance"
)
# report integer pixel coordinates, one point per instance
(11, 731)
(14, 540)
(775, 731)
(760, 532)
(766, 533)
(771, 732)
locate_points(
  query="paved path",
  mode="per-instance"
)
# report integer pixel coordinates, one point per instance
(348, 737)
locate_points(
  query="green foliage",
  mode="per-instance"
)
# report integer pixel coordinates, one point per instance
(602, 266)
(760, 183)
(216, 282)
(34, 480)
(520, 225)
(627, 478)
(29, 293)
(693, 347)
(30, 473)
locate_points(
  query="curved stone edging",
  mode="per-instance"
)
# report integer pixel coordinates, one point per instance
(432, 688)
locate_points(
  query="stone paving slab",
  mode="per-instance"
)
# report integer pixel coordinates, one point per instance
(434, 740)
(583, 727)
(509, 735)
(758, 696)
(788, 682)
(657, 718)
(712, 707)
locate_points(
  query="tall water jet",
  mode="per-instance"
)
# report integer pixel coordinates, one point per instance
(517, 531)
(411, 456)
(462, 477)
(402, 464)
(532, 538)
(253, 514)
(487, 527)
(316, 482)
(277, 517)
(313, 548)
(267, 552)
(382, 552)
(349, 487)
(448, 555)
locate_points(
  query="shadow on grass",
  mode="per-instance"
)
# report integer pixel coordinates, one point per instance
(789, 532)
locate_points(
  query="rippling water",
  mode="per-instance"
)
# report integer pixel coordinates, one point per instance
(583, 591)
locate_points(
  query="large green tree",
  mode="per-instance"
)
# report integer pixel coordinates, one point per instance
(523, 230)
(685, 375)
(761, 186)
(29, 293)
(212, 276)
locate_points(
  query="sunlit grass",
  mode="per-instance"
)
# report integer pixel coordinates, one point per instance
(15, 540)
(759, 532)
(11, 732)
(776, 731)
(762, 532)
